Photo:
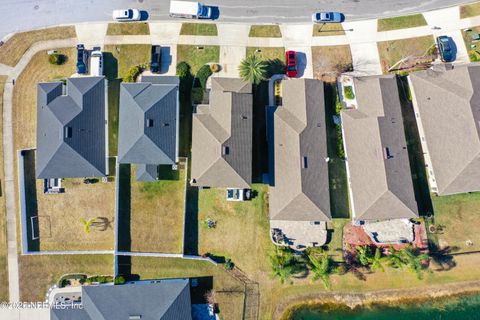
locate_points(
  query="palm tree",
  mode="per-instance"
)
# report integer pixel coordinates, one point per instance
(284, 265)
(320, 266)
(394, 258)
(377, 261)
(87, 224)
(414, 260)
(253, 69)
(364, 255)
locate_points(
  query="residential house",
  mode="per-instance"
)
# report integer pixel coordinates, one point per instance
(162, 300)
(447, 109)
(299, 197)
(222, 136)
(378, 168)
(71, 129)
(148, 125)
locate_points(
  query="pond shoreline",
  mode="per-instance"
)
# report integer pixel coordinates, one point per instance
(393, 297)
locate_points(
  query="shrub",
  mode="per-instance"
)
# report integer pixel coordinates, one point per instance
(340, 151)
(183, 70)
(229, 264)
(215, 67)
(119, 280)
(56, 59)
(340, 269)
(473, 57)
(132, 74)
(203, 74)
(64, 283)
(82, 281)
(348, 91)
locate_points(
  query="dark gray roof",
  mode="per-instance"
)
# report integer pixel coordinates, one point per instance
(71, 129)
(222, 136)
(173, 80)
(447, 104)
(148, 129)
(301, 190)
(377, 157)
(166, 300)
(147, 172)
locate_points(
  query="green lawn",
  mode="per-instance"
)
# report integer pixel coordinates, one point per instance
(403, 22)
(460, 214)
(268, 53)
(393, 51)
(128, 29)
(327, 29)
(265, 31)
(335, 246)
(470, 10)
(473, 48)
(197, 56)
(199, 29)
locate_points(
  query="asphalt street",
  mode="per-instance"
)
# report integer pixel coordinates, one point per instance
(22, 15)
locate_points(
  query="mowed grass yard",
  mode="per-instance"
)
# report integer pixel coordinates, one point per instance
(197, 56)
(470, 10)
(267, 53)
(265, 31)
(25, 94)
(128, 29)
(157, 213)
(329, 61)
(327, 29)
(14, 48)
(229, 292)
(38, 273)
(59, 216)
(460, 216)
(402, 22)
(393, 51)
(199, 29)
(3, 235)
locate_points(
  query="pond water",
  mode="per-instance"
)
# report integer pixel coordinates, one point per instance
(464, 308)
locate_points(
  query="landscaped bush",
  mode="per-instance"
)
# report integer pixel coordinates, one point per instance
(229, 264)
(348, 91)
(66, 279)
(203, 74)
(183, 70)
(99, 279)
(119, 280)
(338, 130)
(56, 59)
(132, 74)
(215, 67)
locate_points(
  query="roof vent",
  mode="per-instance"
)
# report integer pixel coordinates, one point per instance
(135, 317)
(68, 132)
(244, 117)
(166, 124)
(225, 150)
(304, 163)
(149, 122)
(386, 153)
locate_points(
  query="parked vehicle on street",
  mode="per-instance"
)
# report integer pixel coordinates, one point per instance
(189, 10)
(96, 62)
(445, 49)
(327, 17)
(238, 194)
(81, 57)
(126, 15)
(291, 64)
(155, 60)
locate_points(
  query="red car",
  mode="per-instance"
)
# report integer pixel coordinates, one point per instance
(291, 62)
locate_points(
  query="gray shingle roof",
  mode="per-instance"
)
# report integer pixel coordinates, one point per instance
(147, 172)
(71, 129)
(148, 128)
(167, 300)
(448, 103)
(301, 190)
(222, 136)
(378, 165)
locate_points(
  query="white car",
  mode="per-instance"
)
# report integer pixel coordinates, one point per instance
(126, 15)
(238, 194)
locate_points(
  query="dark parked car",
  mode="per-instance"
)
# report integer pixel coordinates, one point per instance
(81, 66)
(155, 59)
(445, 49)
(291, 62)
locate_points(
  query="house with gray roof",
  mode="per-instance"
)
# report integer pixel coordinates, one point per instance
(163, 300)
(378, 167)
(299, 197)
(148, 124)
(447, 110)
(222, 136)
(71, 129)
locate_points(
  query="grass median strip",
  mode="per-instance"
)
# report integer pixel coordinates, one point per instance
(403, 22)
(470, 10)
(328, 29)
(198, 29)
(128, 29)
(13, 49)
(265, 31)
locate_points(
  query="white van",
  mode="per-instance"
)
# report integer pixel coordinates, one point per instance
(96, 63)
(189, 9)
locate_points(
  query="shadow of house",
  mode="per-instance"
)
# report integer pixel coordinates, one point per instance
(32, 225)
(124, 210)
(191, 222)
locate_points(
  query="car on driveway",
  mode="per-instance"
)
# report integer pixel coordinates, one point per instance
(291, 64)
(81, 57)
(126, 15)
(155, 59)
(327, 17)
(445, 49)
(238, 194)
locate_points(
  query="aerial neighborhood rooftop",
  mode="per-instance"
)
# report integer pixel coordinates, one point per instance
(254, 163)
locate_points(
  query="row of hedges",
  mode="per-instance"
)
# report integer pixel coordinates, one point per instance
(338, 130)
